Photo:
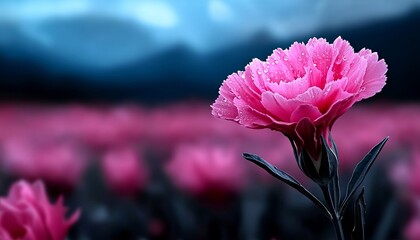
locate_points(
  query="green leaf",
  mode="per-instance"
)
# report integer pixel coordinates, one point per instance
(358, 232)
(328, 164)
(334, 188)
(306, 164)
(334, 185)
(334, 146)
(360, 172)
(286, 178)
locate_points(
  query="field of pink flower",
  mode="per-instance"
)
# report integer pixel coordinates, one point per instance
(175, 171)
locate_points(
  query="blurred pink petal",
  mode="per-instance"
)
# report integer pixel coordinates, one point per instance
(206, 169)
(56, 163)
(26, 213)
(123, 170)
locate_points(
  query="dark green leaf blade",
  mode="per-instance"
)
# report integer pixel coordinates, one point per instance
(360, 172)
(334, 145)
(358, 232)
(286, 178)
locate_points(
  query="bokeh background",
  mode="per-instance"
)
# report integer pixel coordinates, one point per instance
(108, 102)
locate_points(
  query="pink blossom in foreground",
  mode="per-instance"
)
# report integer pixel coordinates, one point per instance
(206, 169)
(123, 170)
(302, 90)
(27, 214)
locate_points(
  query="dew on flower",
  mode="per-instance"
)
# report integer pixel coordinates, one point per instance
(310, 104)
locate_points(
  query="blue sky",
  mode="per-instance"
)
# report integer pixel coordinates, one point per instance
(102, 34)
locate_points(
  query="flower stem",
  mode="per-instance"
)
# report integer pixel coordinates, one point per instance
(336, 219)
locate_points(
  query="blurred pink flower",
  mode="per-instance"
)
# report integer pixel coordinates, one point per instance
(412, 230)
(101, 128)
(207, 170)
(57, 163)
(301, 91)
(186, 124)
(124, 171)
(376, 123)
(414, 176)
(27, 214)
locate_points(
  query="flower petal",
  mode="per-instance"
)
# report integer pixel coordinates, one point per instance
(280, 69)
(305, 111)
(342, 58)
(291, 89)
(250, 117)
(280, 107)
(375, 78)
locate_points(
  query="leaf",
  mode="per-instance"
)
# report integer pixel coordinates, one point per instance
(286, 178)
(295, 152)
(307, 166)
(334, 185)
(358, 232)
(360, 172)
(334, 188)
(334, 146)
(328, 164)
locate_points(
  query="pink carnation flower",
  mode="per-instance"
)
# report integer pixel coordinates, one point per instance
(302, 90)
(27, 214)
(124, 171)
(57, 163)
(205, 170)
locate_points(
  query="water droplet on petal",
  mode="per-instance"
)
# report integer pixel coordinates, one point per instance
(286, 59)
(259, 72)
(363, 88)
(265, 70)
(276, 61)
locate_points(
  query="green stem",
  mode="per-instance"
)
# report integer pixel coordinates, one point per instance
(336, 220)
